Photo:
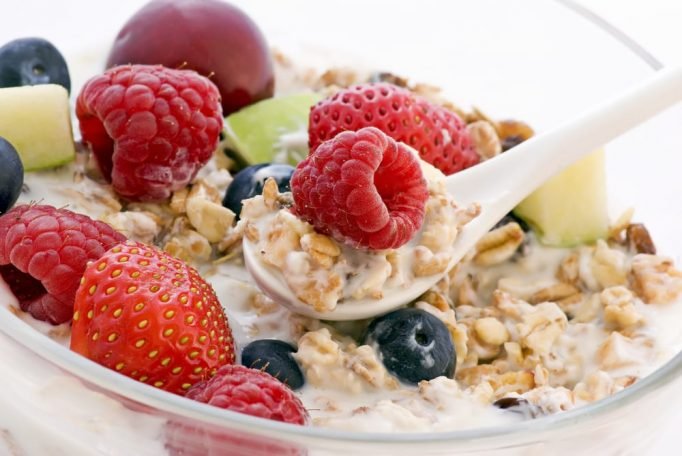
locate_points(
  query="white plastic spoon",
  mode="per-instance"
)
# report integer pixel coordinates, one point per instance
(498, 185)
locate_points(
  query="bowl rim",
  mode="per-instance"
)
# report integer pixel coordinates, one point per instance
(115, 384)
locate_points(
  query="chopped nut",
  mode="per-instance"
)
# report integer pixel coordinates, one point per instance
(639, 240)
(569, 271)
(498, 245)
(188, 245)
(484, 139)
(211, 220)
(555, 293)
(137, 226)
(655, 279)
(427, 264)
(491, 331)
(619, 308)
(608, 266)
(539, 329)
(178, 200)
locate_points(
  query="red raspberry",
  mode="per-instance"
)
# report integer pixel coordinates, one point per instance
(362, 188)
(250, 391)
(440, 137)
(150, 128)
(151, 317)
(43, 253)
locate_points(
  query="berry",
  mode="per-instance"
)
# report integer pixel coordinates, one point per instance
(151, 317)
(362, 188)
(212, 37)
(274, 357)
(440, 137)
(11, 175)
(150, 128)
(413, 345)
(249, 182)
(250, 391)
(43, 253)
(32, 61)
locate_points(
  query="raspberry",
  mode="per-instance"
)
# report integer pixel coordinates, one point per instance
(440, 136)
(150, 128)
(362, 188)
(250, 391)
(151, 317)
(43, 253)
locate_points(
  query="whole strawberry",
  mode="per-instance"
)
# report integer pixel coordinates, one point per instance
(363, 189)
(151, 317)
(43, 253)
(150, 128)
(439, 135)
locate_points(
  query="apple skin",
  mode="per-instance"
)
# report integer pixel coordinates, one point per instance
(211, 37)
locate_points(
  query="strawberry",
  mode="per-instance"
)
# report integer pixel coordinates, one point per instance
(439, 135)
(151, 317)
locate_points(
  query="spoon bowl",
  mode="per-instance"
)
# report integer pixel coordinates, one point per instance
(497, 185)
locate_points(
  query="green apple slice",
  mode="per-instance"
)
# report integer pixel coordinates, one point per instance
(36, 120)
(570, 208)
(273, 130)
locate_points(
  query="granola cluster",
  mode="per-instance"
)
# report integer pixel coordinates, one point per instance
(322, 272)
(542, 330)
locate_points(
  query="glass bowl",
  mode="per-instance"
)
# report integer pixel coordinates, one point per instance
(539, 61)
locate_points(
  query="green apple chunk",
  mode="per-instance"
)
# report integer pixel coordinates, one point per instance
(271, 131)
(36, 120)
(570, 208)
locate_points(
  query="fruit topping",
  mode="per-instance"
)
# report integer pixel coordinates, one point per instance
(439, 135)
(570, 208)
(32, 61)
(11, 175)
(274, 357)
(36, 120)
(211, 37)
(249, 182)
(362, 188)
(269, 131)
(250, 391)
(150, 128)
(43, 253)
(151, 317)
(413, 345)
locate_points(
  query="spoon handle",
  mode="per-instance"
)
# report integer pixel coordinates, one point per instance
(500, 184)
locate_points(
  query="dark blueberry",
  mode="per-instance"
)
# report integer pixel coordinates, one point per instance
(32, 61)
(249, 182)
(274, 357)
(413, 345)
(11, 175)
(519, 406)
(510, 218)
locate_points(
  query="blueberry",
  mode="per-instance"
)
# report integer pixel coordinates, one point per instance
(413, 345)
(32, 61)
(249, 182)
(509, 218)
(274, 357)
(11, 175)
